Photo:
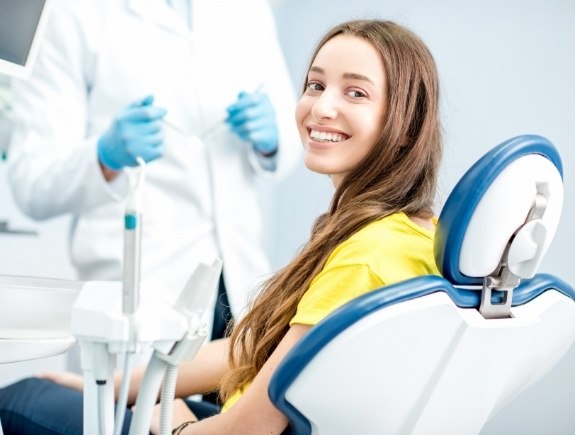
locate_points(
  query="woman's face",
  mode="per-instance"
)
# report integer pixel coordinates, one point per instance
(340, 114)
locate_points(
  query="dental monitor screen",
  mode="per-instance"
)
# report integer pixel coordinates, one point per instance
(21, 23)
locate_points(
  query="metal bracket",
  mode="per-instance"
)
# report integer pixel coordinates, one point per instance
(504, 284)
(503, 281)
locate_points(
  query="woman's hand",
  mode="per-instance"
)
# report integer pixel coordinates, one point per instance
(180, 414)
(66, 379)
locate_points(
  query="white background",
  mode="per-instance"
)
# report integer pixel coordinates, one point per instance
(507, 68)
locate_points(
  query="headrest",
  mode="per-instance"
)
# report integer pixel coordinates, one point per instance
(507, 206)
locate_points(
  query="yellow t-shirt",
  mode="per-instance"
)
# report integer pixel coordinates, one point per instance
(384, 252)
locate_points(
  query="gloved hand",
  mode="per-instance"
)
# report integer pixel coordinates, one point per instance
(252, 118)
(135, 132)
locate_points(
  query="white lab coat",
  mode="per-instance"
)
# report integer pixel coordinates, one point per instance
(200, 200)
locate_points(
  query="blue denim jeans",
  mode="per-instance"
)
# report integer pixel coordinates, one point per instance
(40, 407)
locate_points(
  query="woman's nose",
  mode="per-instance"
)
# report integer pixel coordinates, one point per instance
(325, 107)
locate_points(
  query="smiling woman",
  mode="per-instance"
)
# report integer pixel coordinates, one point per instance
(340, 113)
(368, 116)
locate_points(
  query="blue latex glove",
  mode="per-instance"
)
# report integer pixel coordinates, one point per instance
(135, 132)
(252, 118)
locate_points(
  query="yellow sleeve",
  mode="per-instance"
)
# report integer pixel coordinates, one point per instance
(332, 288)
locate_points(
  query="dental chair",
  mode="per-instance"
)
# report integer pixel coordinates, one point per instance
(441, 355)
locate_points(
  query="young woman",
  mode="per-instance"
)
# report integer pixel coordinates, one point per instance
(368, 118)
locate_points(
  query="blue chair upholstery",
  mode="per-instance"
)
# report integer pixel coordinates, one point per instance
(442, 354)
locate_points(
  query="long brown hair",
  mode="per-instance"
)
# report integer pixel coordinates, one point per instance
(398, 175)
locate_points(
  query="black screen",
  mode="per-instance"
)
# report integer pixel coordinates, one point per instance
(18, 22)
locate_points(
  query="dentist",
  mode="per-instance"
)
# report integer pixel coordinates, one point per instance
(173, 82)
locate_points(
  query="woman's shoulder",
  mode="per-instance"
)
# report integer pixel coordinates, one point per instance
(391, 227)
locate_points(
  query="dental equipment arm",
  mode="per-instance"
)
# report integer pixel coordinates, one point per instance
(111, 318)
(105, 331)
(200, 375)
(164, 361)
(131, 286)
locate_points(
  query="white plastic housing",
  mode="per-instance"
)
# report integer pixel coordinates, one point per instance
(510, 198)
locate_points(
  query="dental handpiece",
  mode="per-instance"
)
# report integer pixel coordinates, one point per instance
(133, 246)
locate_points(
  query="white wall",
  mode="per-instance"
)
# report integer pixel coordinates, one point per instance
(507, 68)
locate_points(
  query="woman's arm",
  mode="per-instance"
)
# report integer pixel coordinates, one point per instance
(200, 375)
(254, 413)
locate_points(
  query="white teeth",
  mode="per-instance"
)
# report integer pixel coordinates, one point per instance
(327, 137)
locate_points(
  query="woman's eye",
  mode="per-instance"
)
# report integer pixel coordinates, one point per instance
(314, 86)
(356, 93)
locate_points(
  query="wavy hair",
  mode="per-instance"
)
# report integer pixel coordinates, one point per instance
(398, 175)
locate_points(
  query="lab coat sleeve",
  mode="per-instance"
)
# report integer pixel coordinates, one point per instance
(280, 89)
(53, 166)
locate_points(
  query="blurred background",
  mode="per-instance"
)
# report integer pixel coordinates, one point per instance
(506, 68)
